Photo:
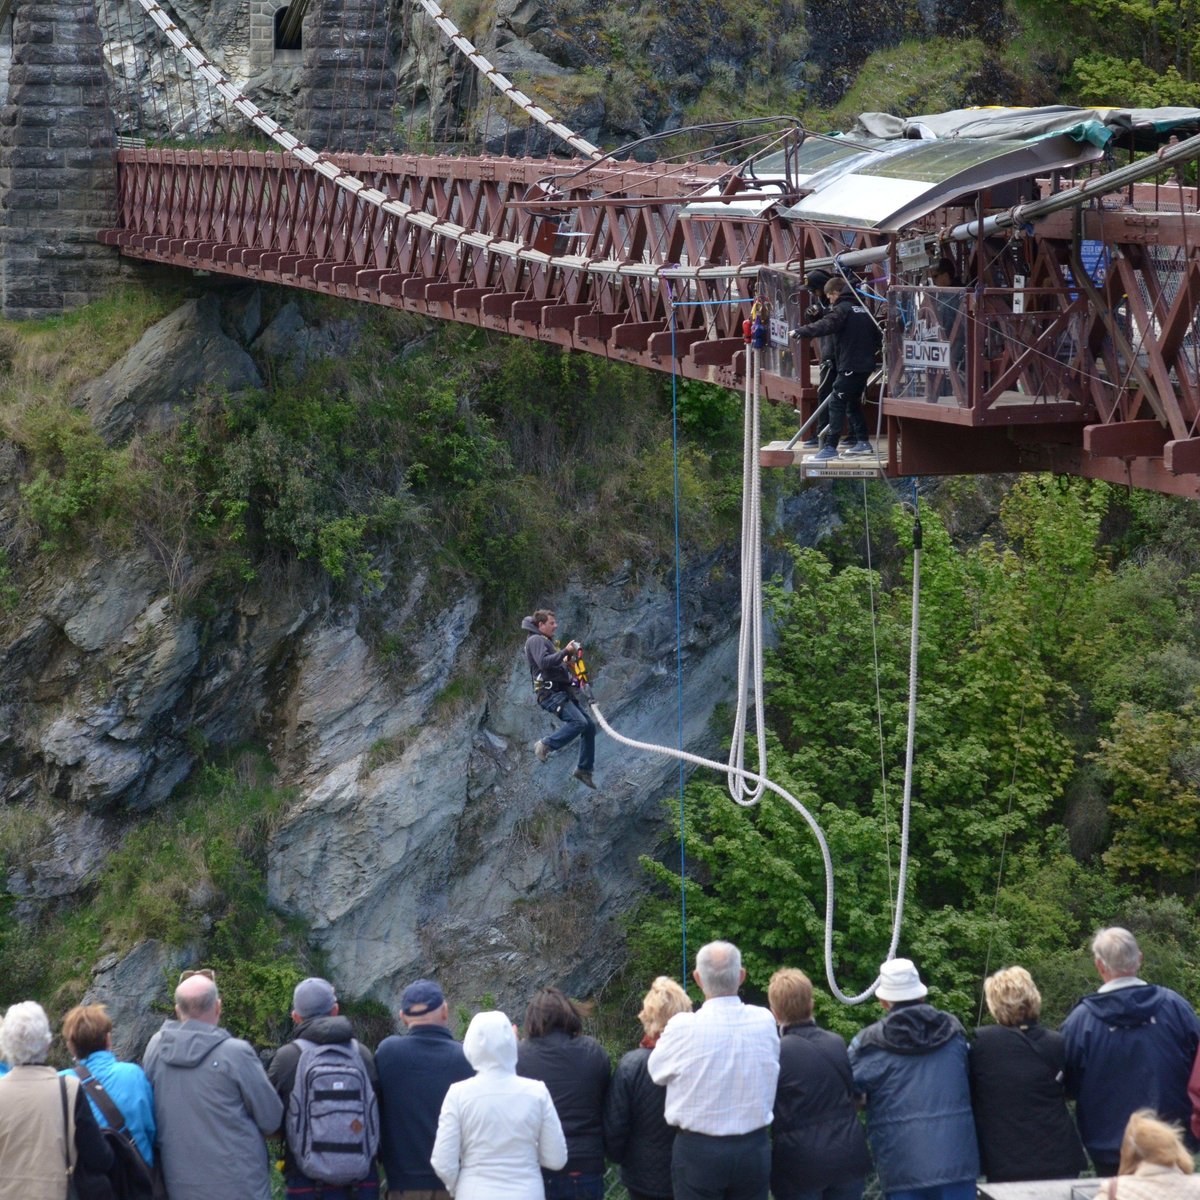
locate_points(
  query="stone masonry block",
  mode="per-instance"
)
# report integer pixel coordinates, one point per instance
(34, 156)
(56, 55)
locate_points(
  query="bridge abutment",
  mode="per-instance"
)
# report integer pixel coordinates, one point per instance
(348, 85)
(57, 173)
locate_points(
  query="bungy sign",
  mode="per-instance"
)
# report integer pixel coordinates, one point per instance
(921, 354)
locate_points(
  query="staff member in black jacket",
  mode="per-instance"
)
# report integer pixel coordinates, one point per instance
(1016, 1066)
(819, 1149)
(636, 1133)
(856, 344)
(576, 1070)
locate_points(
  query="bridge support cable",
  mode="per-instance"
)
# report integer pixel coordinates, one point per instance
(505, 86)
(750, 634)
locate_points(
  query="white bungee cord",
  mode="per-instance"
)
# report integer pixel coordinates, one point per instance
(750, 637)
(746, 787)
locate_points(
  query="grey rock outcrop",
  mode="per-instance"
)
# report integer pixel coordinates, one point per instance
(150, 387)
(137, 989)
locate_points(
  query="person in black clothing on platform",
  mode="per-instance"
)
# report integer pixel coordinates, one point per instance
(636, 1133)
(576, 1070)
(815, 283)
(856, 340)
(1021, 1119)
(558, 693)
(819, 1148)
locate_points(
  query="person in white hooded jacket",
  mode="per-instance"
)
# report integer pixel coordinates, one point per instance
(496, 1131)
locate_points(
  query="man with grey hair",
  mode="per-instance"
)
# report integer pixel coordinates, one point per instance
(719, 1066)
(1129, 1045)
(213, 1102)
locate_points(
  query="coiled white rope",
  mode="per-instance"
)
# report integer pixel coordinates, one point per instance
(750, 637)
(746, 787)
(505, 85)
(484, 242)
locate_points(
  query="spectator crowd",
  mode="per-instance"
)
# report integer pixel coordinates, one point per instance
(732, 1101)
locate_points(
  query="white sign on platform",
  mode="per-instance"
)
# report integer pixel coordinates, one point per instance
(922, 355)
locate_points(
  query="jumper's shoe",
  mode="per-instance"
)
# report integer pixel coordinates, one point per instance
(825, 454)
(542, 751)
(861, 448)
(585, 777)
(811, 443)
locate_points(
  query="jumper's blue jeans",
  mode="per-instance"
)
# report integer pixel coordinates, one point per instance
(575, 724)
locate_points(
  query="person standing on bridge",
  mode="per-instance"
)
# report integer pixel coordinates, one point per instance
(558, 693)
(856, 346)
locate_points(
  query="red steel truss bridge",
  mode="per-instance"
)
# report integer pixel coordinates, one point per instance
(1072, 346)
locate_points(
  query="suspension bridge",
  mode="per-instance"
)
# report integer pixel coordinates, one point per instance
(1072, 346)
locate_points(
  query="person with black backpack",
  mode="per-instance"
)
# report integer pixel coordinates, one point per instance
(329, 1088)
(121, 1099)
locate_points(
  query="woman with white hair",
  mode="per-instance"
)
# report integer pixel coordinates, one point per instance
(47, 1131)
(496, 1131)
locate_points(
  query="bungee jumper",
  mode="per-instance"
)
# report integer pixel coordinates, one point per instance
(559, 678)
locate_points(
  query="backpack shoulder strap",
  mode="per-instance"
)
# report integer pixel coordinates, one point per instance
(114, 1118)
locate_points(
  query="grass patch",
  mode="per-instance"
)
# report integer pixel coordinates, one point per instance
(47, 359)
(924, 76)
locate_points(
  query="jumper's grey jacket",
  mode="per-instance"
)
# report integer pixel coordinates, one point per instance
(213, 1104)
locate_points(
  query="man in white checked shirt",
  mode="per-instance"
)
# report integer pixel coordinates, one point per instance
(719, 1066)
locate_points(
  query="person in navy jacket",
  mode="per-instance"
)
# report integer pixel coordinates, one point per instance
(911, 1068)
(1130, 1045)
(415, 1073)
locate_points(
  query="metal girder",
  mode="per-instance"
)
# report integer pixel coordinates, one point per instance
(1091, 376)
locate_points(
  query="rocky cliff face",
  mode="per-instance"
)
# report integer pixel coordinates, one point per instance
(425, 837)
(613, 71)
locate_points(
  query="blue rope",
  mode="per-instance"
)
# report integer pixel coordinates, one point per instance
(678, 653)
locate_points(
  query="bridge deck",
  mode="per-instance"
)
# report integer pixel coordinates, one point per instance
(1075, 350)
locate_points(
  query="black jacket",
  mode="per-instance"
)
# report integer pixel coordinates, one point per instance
(818, 1140)
(415, 1073)
(576, 1071)
(93, 1158)
(1021, 1117)
(636, 1133)
(856, 336)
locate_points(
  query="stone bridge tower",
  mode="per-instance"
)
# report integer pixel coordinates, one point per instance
(57, 170)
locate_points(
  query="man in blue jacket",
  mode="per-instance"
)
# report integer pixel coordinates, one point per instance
(1129, 1045)
(911, 1068)
(415, 1073)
